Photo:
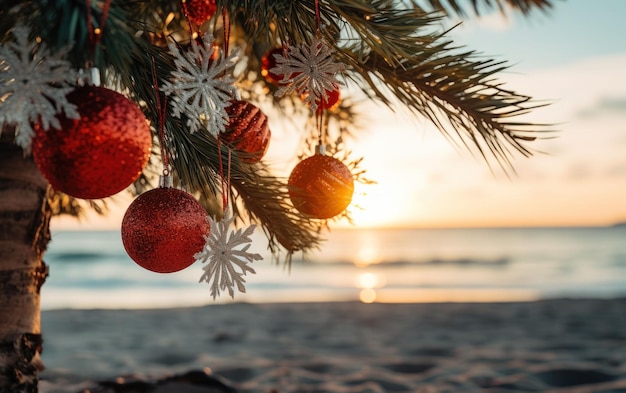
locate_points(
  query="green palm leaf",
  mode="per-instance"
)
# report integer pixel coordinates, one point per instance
(396, 52)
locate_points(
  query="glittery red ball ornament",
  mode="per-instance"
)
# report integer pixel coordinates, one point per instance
(268, 61)
(321, 186)
(163, 229)
(247, 130)
(99, 154)
(199, 11)
(331, 102)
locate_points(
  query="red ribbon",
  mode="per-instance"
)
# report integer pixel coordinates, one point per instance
(95, 38)
(225, 180)
(161, 120)
(318, 18)
(226, 20)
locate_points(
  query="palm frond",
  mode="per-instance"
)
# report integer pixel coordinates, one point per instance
(396, 52)
(478, 7)
(196, 157)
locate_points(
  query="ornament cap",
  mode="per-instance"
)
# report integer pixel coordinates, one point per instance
(320, 149)
(89, 77)
(166, 181)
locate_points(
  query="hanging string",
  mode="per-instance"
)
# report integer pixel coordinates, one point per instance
(319, 124)
(226, 21)
(318, 18)
(161, 121)
(224, 181)
(319, 113)
(95, 35)
(227, 181)
(195, 35)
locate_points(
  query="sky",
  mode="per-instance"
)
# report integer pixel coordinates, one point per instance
(573, 57)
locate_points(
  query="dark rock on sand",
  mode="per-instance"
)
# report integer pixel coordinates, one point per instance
(409, 368)
(190, 382)
(573, 377)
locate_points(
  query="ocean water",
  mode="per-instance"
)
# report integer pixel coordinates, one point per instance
(90, 269)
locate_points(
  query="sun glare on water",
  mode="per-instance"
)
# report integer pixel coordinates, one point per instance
(368, 282)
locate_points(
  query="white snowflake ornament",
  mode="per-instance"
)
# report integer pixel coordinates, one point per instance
(33, 86)
(311, 71)
(223, 258)
(202, 85)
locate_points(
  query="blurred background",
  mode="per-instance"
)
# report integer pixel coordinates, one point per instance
(439, 224)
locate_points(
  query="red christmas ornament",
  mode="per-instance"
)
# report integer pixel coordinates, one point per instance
(163, 229)
(268, 61)
(321, 186)
(99, 154)
(331, 102)
(199, 11)
(247, 130)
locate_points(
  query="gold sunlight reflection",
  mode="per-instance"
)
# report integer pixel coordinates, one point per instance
(368, 282)
(367, 295)
(368, 251)
(366, 255)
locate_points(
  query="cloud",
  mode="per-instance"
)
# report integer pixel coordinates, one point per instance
(617, 169)
(604, 105)
(579, 171)
(575, 92)
(495, 21)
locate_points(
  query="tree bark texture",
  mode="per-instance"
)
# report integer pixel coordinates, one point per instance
(24, 234)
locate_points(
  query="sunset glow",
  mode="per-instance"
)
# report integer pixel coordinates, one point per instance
(577, 175)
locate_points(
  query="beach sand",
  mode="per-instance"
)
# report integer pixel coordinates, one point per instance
(574, 346)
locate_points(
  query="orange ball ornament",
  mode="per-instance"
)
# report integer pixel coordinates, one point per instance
(321, 186)
(163, 229)
(199, 11)
(247, 130)
(99, 154)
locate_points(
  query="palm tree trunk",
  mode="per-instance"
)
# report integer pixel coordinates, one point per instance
(24, 234)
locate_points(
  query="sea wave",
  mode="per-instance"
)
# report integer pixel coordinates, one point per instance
(392, 264)
(83, 256)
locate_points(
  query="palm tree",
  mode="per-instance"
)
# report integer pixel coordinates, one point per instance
(393, 51)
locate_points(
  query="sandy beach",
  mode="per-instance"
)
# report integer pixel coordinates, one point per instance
(574, 346)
